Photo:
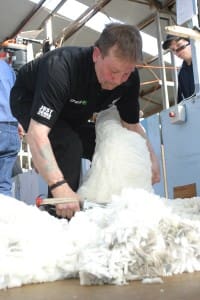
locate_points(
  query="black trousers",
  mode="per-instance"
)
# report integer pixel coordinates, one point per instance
(70, 145)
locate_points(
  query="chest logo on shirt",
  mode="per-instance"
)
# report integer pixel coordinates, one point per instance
(45, 112)
(78, 102)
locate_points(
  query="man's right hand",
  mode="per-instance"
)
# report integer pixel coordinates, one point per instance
(67, 210)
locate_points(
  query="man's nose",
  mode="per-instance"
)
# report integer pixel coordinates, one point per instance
(118, 78)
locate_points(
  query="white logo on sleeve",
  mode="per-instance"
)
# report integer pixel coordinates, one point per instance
(45, 112)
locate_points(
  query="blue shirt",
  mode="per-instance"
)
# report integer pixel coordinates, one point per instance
(7, 79)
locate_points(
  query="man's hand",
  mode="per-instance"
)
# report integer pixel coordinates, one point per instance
(21, 131)
(67, 210)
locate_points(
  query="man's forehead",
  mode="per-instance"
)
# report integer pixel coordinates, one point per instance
(119, 64)
(116, 53)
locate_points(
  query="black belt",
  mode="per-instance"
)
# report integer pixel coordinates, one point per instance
(10, 123)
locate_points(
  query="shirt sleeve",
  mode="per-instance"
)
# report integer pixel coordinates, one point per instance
(51, 90)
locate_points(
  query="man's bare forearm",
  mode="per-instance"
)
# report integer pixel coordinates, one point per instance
(42, 153)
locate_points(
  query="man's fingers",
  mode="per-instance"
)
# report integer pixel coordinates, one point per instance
(67, 210)
(65, 213)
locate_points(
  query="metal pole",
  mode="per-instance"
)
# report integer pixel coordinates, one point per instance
(161, 61)
(49, 33)
(174, 73)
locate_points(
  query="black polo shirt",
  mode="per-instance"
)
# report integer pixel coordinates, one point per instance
(63, 84)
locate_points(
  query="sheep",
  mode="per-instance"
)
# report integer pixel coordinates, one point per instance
(121, 160)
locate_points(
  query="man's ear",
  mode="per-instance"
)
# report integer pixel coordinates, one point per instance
(96, 54)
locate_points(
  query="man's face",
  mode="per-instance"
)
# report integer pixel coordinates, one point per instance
(182, 49)
(111, 71)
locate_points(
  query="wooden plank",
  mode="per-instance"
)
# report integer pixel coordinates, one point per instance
(179, 287)
(184, 32)
(185, 191)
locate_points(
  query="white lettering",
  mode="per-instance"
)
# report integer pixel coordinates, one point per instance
(45, 112)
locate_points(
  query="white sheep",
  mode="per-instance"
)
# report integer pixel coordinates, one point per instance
(121, 160)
